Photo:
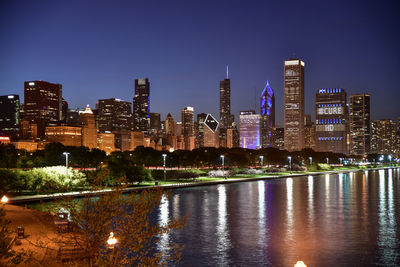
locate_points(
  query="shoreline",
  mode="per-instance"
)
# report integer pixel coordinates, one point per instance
(18, 200)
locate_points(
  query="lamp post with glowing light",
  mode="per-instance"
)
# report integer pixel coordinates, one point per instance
(4, 200)
(66, 160)
(290, 162)
(223, 162)
(262, 160)
(327, 160)
(390, 159)
(310, 158)
(164, 158)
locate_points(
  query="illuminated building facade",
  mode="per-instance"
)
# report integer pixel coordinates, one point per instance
(155, 123)
(188, 127)
(42, 104)
(106, 142)
(309, 133)
(278, 141)
(89, 130)
(267, 106)
(9, 116)
(383, 137)
(141, 105)
(200, 132)
(169, 125)
(331, 120)
(250, 128)
(294, 104)
(360, 124)
(114, 115)
(66, 135)
(226, 118)
(211, 136)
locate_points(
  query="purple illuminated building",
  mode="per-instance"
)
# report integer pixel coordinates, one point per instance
(267, 107)
(249, 124)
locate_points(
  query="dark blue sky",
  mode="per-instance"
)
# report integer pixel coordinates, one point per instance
(97, 48)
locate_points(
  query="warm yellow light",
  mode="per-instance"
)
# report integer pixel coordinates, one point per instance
(300, 264)
(4, 199)
(111, 240)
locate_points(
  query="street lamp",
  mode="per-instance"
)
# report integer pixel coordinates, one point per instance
(66, 160)
(290, 162)
(327, 160)
(223, 162)
(4, 200)
(310, 158)
(164, 158)
(390, 159)
(340, 159)
(262, 160)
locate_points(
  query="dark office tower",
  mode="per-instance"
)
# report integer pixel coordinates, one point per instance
(309, 132)
(225, 102)
(200, 132)
(155, 123)
(331, 120)
(64, 111)
(114, 115)
(383, 137)
(43, 104)
(9, 116)
(188, 121)
(360, 124)
(267, 107)
(294, 104)
(141, 105)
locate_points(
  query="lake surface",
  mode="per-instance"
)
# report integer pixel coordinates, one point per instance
(350, 219)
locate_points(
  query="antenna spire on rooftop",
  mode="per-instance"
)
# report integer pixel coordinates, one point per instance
(227, 72)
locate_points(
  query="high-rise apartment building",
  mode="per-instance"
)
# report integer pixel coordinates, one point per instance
(383, 137)
(360, 124)
(141, 105)
(250, 127)
(89, 130)
(169, 125)
(155, 123)
(9, 116)
(114, 115)
(42, 104)
(309, 133)
(188, 121)
(279, 138)
(294, 104)
(267, 107)
(331, 120)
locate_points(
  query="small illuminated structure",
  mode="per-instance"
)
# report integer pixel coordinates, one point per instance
(4, 200)
(290, 162)
(300, 264)
(111, 241)
(327, 160)
(66, 160)
(262, 160)
(223, 163)
(310, 158)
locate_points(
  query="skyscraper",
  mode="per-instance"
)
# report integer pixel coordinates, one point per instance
(309, 133)
(331, 119)
(42, 104)
(155, 123)
(200, 132)
(250, 127)
(89, 130)
(267, 107)
(294, 104)
(360, 124)
(114, 115)
(383, 137)
(9, 115)
(188, 121)
(141, 105)
(226, 118)
(211, 136)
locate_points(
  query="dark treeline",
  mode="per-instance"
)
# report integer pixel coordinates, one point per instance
(83, 157)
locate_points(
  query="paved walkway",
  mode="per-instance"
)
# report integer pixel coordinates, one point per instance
(40, 234)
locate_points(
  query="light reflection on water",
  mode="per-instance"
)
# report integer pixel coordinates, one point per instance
(336, 219)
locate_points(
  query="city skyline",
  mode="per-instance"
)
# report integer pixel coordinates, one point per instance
(101, 59)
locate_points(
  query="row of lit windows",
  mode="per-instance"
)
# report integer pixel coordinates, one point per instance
(329, 105)
(330, 121)
(330, 138)
(329, 90)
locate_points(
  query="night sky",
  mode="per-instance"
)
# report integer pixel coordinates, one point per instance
(96, 49)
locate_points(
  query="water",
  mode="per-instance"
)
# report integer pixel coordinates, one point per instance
(350, 219)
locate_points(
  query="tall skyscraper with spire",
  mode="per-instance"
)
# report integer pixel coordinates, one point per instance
(226, 118)
(294, 105)
(267, 108)
(141, 105)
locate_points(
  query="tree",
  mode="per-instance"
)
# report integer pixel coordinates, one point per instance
(128, 218)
